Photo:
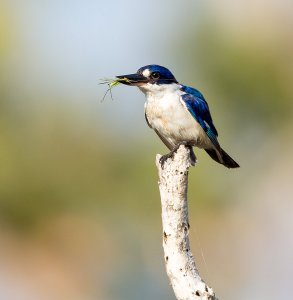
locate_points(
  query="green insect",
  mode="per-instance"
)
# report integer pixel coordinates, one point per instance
(111, 84)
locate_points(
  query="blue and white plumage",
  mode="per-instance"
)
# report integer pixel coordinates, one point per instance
(177, 113)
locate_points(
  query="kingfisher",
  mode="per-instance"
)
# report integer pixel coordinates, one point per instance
(177, 113)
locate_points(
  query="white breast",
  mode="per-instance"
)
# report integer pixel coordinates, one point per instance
(167, 114)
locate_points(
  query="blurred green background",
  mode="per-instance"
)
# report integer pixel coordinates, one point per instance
(79, 202)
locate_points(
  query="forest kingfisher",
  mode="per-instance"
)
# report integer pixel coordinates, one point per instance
(177, 113)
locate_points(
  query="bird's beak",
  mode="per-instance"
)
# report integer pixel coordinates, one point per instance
(132, 79)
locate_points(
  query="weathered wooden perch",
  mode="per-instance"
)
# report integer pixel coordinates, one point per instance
(180, 264)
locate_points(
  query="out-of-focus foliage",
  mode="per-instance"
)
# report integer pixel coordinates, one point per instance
(247, 73)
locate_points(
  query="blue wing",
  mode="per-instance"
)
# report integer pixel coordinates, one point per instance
(199, 109)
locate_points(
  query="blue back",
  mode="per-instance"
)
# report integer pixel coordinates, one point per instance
(198, 107)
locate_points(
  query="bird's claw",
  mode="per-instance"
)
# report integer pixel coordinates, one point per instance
(164, 158)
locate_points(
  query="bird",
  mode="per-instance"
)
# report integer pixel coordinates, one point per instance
(178, 114)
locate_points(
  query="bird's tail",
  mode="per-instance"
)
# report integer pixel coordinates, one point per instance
(222, 158)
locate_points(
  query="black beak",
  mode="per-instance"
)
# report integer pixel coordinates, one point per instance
(132, 79)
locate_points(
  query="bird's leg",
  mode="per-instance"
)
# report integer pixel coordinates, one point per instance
(192, 156)
(168, 155)
(172, 152)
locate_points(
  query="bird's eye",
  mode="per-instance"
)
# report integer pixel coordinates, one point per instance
(155, 75)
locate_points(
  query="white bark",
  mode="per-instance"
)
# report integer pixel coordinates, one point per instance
(180, 264)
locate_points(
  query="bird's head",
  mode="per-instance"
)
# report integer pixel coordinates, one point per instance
(149, 78)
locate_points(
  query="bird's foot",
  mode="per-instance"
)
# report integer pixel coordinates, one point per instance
(171, 154)
(167, 156)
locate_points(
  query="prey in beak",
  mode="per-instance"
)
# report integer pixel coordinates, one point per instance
(132, 79)
(136, 79)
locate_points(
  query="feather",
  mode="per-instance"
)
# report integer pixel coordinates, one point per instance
(199, 109)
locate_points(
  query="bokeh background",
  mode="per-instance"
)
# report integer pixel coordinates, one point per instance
(79, 202)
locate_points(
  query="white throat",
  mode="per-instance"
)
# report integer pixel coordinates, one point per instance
(159, 91)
